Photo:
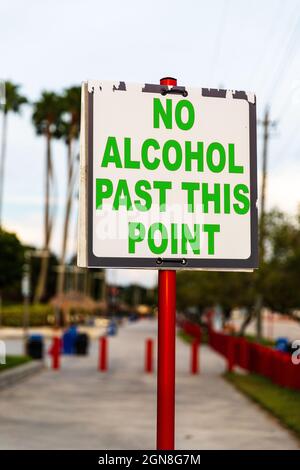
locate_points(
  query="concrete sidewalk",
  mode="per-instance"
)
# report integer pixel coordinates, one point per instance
(80, 408)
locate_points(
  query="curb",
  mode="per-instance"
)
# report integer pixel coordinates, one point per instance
(19, 373)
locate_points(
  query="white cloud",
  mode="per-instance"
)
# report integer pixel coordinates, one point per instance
(283, 189)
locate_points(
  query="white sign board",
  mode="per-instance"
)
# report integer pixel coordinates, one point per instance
(168, 177)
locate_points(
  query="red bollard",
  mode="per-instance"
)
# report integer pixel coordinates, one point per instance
(102, 354)
(230, 354)
(195, 357)
(54, 351)
(149, 356)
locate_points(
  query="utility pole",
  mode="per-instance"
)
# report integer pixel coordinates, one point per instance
(266, 124)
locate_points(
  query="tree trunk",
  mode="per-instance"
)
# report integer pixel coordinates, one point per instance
(41, 284)
(42, 280)
(259, 317)
(2, 162)
(61, 273)
(251, 315)
(247, 320)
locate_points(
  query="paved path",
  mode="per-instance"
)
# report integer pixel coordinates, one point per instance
(80, 408)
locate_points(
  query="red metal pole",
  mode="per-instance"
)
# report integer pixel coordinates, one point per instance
(102, 366)
(166, 360)
(194, 357)
(165, 427)
(56, 353)
(149, 356)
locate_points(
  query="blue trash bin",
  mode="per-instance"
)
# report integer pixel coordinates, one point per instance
(282, 344)
(69, 340)
(112, 328)
(35, 346)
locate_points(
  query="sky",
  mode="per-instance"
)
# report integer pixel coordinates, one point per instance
(50, 45)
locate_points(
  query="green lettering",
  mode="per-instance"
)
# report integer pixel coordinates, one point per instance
(111, 153)
(136, 235)
(128, 163)
(226, 198)
(211, 197)
(162, 186)
(190, 188)
(190, 115)
(172, 144)
(239, 192)
(193, 155)
(232, 167)
(141, 188)
(212, 148)
(174, 239)
(159, 112)
(192, 239)
(104, 190)
(157, 249)
(150, 165)
(211, 229)
(122, 196)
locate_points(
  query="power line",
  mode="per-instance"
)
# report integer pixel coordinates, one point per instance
(218, 41)
(291, 138)
(269, 33)
(288, 55)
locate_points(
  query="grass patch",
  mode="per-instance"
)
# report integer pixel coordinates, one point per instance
(282, 403)
(185, 337)
(262, 341)
(189, 339)
(14, 361)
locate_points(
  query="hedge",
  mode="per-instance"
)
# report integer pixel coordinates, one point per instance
(39, 315)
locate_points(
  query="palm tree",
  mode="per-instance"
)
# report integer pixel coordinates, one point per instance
(13, 103)
(69, 131)
(46, 118)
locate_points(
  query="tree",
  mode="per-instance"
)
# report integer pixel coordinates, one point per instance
(13, 103)
(68, 129)
(134, 294)
(280, 273)
(12, 260)
(206, 289)
(35, 267)
(276, 279)
(46, 117)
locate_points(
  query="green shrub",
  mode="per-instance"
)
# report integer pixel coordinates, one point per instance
(39, 315)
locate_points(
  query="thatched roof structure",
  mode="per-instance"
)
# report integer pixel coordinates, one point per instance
(74, 300)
